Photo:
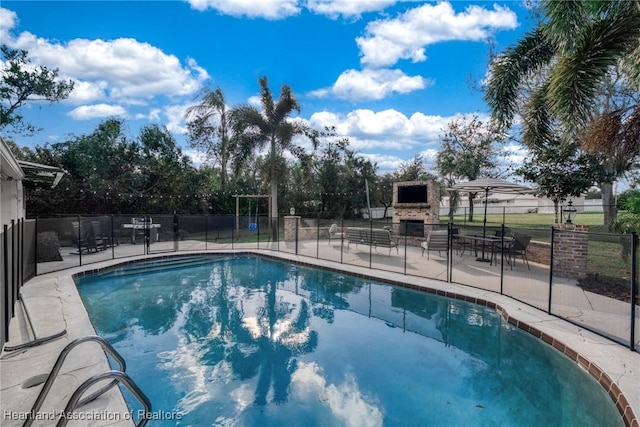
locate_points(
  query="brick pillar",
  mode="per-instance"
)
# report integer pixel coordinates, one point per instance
(570, 251)
(291, 227)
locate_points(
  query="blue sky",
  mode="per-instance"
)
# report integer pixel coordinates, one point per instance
(389, 75)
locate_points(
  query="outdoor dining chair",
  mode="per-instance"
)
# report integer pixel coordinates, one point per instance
(518, 247)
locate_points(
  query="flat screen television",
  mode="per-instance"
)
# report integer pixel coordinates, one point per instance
(412, 194)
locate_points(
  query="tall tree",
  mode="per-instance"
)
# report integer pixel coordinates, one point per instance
(163, 169)
(468, 151)
(412, 170)
(340, 175)
(570, 52)
(22, 83)
(568, 76)
(613, 136)
(561, 171)
(209, 128)
(272, 128)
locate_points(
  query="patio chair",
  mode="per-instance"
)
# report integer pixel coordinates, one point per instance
(79, 236)
(459, 241)
(97, 237)
(334, 233)
(437, 240)
(518, 247)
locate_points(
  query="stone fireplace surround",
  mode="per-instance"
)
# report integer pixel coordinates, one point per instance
(428, 213)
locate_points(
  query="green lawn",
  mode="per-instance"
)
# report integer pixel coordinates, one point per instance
(604, 248)
(594, 220)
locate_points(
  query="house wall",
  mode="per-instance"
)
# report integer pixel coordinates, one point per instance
(518, 203)
(11, 190)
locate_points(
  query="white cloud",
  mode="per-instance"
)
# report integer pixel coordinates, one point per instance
(389, 40)
(515, 153)
(347, 8)
(269, 9)
(370, 84)
(386, 163)
(346, 402)
(84, 91)
(175, 118)
(388, 129)
(255, 101)
(198, 158)
(152, 115)
(87, 112)
(8, 20)
(122, 70)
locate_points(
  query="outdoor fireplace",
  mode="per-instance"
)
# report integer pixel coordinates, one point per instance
(416, 207)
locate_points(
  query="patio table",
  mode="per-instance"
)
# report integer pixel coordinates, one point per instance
(490, 243)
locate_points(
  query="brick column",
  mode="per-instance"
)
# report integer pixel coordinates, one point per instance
(570, 251)
(290, 228)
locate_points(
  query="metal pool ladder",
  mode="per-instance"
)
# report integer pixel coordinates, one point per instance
(74, 402)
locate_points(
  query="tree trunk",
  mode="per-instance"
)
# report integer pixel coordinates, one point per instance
(472, 197)
(273, 215)
(608, 204)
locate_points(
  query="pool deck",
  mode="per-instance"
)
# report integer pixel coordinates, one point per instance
(53, 305)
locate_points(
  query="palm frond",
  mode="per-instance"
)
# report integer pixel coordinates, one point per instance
(510, 69)
(575, 79)
(565, 21)
(211, 102)
(631, 67)
(247, 119)
(537, 120)
(285, 106)
(266, 98)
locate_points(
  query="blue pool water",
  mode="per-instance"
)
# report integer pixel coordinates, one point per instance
(248, 341)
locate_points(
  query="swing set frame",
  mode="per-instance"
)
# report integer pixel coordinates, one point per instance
(247, 196)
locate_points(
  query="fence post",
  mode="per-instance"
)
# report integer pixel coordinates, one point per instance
(79, 242)
(297, 225)
(551, 269)
(206, 231)
(634, 289)
(449, 251)
(318, 237)
(14, 265)
(112, 239)
(502, 255)
(35, 248)
(342, 234)
(5, 279)
(176, 233)
(20, 254)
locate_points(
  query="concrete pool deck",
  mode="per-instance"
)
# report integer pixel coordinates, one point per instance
(53, 304)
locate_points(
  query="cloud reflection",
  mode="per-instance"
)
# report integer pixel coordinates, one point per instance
(347, 403)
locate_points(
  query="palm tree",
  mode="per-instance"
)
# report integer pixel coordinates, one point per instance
(209, 128)
(568, 57)
(556, 75)
(270, 127)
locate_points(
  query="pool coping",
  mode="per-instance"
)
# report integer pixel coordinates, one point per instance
(616, 368)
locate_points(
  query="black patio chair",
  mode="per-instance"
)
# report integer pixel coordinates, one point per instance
(459, 241)
(518, 247)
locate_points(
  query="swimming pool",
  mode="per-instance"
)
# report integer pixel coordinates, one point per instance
(252, 341)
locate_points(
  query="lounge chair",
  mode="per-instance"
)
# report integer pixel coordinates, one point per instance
(97, 237)
(79, 236)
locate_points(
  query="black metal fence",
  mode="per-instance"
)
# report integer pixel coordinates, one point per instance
(586, 278)
(17, 258)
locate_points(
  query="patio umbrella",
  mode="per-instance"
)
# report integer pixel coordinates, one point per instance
(490, 185)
